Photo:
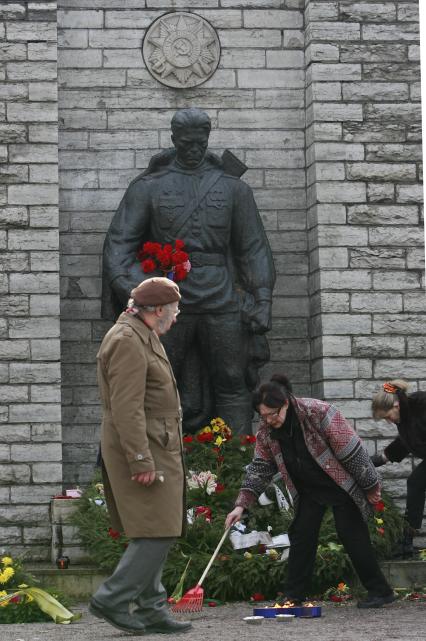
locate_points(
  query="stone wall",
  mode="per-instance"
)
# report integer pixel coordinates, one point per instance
(30, 418)
(322, 102)
(366, 239)
(114, 116)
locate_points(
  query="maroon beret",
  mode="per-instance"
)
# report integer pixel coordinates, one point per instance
(156, 291)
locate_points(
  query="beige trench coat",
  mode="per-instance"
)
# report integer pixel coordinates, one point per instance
(141, 431)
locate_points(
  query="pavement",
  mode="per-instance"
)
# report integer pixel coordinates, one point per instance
(400, 621)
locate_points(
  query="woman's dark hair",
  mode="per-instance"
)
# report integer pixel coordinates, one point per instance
(274, 393)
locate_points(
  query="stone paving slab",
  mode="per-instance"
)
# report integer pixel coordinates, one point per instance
(401, 621)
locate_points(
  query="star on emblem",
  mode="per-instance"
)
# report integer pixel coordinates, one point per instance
(181, 49)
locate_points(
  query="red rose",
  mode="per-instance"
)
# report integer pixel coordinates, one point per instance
(148, 265)
(379, 506)
(179, 244)
(206, 437)
(180, 272)
(335, 598)
(257, 596)
(219, 488)
(204, 511)
(381, 531)
(113, 533)
(188, 439)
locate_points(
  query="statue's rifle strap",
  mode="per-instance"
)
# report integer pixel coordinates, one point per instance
(205, 187)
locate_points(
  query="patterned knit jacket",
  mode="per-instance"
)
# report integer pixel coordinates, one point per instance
(333, 444)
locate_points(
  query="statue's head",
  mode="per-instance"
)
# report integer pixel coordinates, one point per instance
(190, 135)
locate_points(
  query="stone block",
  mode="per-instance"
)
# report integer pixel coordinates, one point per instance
(36, 452)
(46, 432)
(92, 160)
(33, 239)
(371, 52)
(369, 428)
(415, 258)
(73, 38)
(323, 131)
(370, 257)
(381, 192)
(290, 59)
(329, 171)
(414, 52)
(392, 72)
(43, 133)
(34, 373)
(378, 347)
(381, 171)
(13, 474)
(403, 324)
(321, 52)
(278, 98)
(34, 493)
(10, 174)
(284, 178)
(13, 216)
(42, 51)
(32, 194)
(332, 302)
(37, 534)
(391, 32)
(400, 112)
(400, 237)
(416, 347)
(87, 78)
(272, 19)
(33, 153)
(14, 262)
(409, 193)
(415, 301)
(376, 301)
(13, 306)
(80, 19)
(115, 38)
(34, 283)
(14, 393)
(369, 11)
(44, 261)
(15, 434)
(342, 324)
(333, 72)
(32, 70)
(35, 412)
(334, 346)
(270, 78)
(26, 31)
(395, 280)
(353, 408)
(261, 118)
(321, 91)
(117, 58)
(45, 350)
(11, 350)
(339, 235)
(382, 215)
(346, 279)
(338, 151)
(332, 31)
(44, 216)
(10, 535)
(42, 91)
(334, 112)
(47, 472)
(374, 132)
(250, 38)
(47, 305)
(376, 91)
(412, 368)
(342, 368)
(11, 133)
(45, 393)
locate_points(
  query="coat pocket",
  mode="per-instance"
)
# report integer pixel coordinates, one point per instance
(171, 435)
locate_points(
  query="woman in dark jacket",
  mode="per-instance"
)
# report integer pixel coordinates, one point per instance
(323, 463)
(408, 413)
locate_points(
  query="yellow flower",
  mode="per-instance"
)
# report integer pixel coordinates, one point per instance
(379, 521)
(29, 598)
(22, 585)
(6, 575)
(219, 441)
(341, 586)
(6, 560)
(248, 555)
(215, 428)
(206, 430)
(5, 603)
(219, 421)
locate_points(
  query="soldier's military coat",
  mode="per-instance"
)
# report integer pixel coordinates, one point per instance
(141, 431)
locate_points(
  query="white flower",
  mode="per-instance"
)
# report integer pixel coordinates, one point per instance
(203, 480)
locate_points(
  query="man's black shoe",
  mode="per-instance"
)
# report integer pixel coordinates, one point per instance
(377, 601)
(121, 621)
(168, 626)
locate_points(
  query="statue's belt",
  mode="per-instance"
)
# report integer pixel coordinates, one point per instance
(199, 259)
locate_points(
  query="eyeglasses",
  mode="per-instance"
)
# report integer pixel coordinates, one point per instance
(270, 414)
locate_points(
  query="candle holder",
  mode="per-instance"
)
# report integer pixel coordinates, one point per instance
(62, 562)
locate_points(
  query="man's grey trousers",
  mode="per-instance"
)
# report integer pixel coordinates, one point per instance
(135, 586)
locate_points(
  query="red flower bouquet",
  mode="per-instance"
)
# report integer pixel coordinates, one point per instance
(171, 260)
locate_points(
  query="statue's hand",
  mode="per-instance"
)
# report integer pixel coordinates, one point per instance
(260, 317)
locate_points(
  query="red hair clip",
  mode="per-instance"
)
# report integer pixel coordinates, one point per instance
(391, 389)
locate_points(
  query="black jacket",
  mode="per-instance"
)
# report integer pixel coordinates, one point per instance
(411, 437)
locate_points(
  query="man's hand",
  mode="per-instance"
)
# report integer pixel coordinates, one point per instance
(374, 495)
(378, 459)
(260, 317)
(144, 478)
(234, 516)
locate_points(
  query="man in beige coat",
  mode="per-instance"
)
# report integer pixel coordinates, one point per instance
(141, 444)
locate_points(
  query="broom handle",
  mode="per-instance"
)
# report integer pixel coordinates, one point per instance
(215, 553)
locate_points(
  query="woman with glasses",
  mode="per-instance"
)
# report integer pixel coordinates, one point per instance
(323, 463)
(408, 413)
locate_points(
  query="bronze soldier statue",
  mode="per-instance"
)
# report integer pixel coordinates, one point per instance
(190, 193)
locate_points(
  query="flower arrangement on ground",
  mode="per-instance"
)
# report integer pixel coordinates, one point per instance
(215, 459)
(23, 602)
(169, 259)
(339, 594)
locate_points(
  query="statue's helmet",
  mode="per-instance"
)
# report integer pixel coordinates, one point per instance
(192, 118)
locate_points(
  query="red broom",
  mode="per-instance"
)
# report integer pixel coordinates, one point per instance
(192, 601)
